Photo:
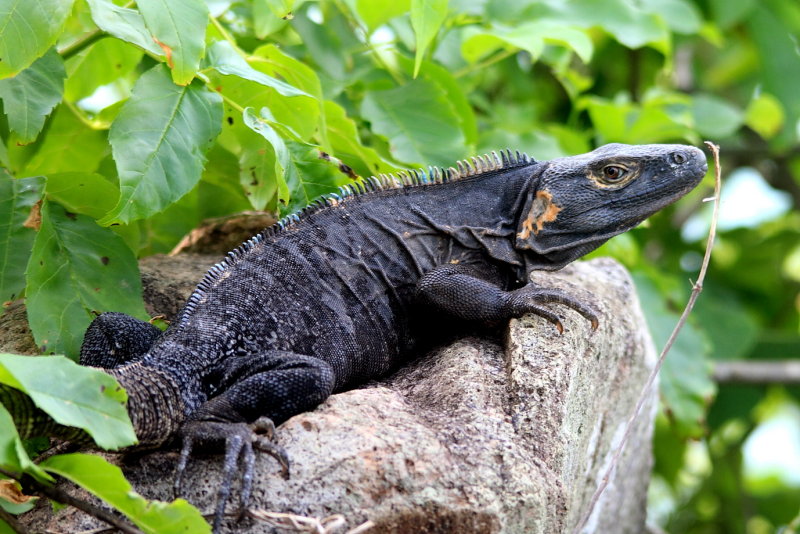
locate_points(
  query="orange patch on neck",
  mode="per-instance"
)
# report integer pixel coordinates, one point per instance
(543, 210)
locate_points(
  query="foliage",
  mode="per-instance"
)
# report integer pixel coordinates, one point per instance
(107, 482)
(124, 126)
(72, 395)
(89, 399)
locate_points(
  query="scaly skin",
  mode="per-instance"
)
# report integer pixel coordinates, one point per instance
(342, 293)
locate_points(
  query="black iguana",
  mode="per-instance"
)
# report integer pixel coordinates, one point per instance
(346, 290)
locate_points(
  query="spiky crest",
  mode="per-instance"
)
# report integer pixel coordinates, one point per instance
(475, 166)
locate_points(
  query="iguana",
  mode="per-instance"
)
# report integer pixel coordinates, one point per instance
(347, 290)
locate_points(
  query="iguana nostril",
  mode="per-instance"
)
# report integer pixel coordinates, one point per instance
(679, 157)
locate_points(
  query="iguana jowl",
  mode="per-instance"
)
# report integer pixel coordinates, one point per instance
(348, 289)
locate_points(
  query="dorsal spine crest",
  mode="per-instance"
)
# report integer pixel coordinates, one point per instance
(494, 161)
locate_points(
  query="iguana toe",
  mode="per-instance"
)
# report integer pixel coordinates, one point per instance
(238, 441)
(528, 299)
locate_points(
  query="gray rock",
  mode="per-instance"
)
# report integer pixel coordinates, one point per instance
(470, 438)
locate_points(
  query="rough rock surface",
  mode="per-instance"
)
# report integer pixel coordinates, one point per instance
(470, 438)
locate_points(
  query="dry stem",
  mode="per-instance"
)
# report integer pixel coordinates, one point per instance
(696, 289)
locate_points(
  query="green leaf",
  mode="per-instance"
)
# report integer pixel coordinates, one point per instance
(343, 136)
(179, 27)
(729, 12)
(159, 141)
(714, 117)
(28, 28)
(218, 195)
(4, 159)
(258, 173)
(377, 12)
(427, 17)
(419, 122)
(312, 177)
(669, 449)
(73, 395)
(226, 60)
(164, 230)
(123, 23)
(77, 268)
(104, 62)
(17, 198)
(81, 192)
(731, 330)
(529, 36)
(291, 171)
(681, 16)
(107, 482)
(271, 59)
(454, 93)
(622, 247)
(626, 21)
(282, 164)
(70, 145)
(32, 94)
(295, 112)
(778, 62)
(13, 457)
(686, 384)
(477, 45)
(656, 120)
(265, 18)
(298, 115)
(765, 115)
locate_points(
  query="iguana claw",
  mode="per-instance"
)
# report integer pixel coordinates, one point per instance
(529, 298)
(238, 440)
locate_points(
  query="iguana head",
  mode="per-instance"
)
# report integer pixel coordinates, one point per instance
(580, 202)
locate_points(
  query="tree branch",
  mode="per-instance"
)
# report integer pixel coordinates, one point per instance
(61, 496)
(757, 372)
(58, 495)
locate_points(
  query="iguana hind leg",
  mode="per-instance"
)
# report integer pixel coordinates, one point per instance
(114, 339)
(254, 391)
(460, 292)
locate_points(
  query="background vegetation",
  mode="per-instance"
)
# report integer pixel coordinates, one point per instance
(125, 126)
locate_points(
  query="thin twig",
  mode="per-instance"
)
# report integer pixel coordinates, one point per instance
(61, 496)
(105, 516)
(311, 525)
(15, 525)
(85, 41)
(82, 43)
(696, 289)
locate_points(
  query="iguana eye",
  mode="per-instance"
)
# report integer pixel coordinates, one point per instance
(613, 173)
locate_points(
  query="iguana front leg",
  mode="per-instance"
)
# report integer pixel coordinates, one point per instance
(457, 290)
(255, 391)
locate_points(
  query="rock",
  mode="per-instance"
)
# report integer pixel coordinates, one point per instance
(15, 335)
(472, 438)
(167, 281)
(221, 234)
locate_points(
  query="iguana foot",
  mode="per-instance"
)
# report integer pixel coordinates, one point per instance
(529, 298)
(459, 291)
(238, 440)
